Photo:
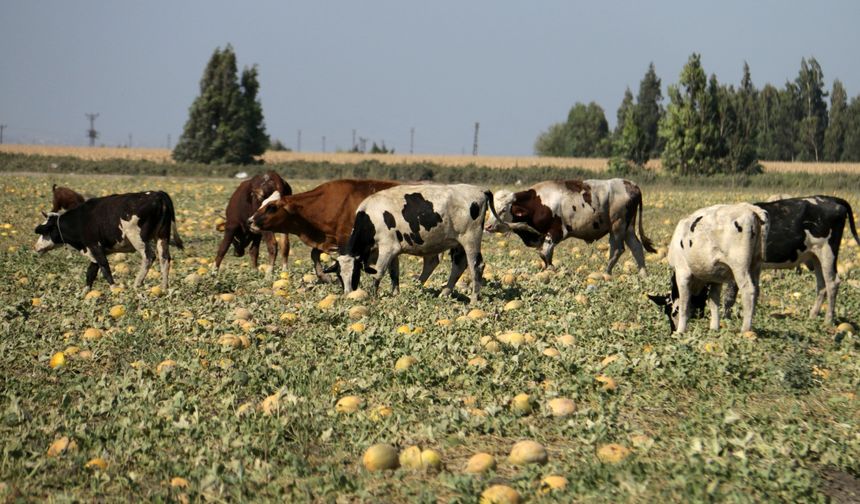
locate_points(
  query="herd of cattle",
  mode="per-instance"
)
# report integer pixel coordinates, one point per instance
(371, 222)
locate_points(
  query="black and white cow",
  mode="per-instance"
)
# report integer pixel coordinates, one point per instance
(807, 231)
(713, 246)
(549, 212)
(116, 223)
(422, 220)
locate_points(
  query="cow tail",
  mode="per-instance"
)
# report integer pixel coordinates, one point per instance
(169, 220)
(492, 205)
(850, 218)
(646, 242)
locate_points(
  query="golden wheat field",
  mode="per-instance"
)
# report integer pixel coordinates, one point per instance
(504, 162)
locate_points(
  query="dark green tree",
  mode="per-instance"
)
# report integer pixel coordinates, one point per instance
(813, 108)
(621, 115)
(851, 147)
(834, 137)
(584, 134)
(225, 122)
(649, 111)
(587, 131)
(552, 142)
(689, 128)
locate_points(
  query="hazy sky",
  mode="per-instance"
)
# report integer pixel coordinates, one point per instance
(383, 67)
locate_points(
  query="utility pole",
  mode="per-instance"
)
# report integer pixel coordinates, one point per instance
(92, 133)
(475, 144)
(412, 140)
(299, 142)
(2, 127)
(353, 139)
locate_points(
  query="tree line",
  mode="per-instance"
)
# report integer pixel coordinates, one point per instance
(708, 127)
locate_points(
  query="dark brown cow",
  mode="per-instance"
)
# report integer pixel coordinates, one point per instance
(65, 199)
(323, 217)
(246, 199)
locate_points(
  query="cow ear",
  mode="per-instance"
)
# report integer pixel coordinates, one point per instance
(332, 268)
(659, 300)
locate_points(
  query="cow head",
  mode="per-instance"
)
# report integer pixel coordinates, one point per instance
(49, 233)
(266, 217)
(671, 305)
(502, 202)
(348, 270)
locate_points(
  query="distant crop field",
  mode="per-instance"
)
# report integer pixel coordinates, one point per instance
(237, 387)
(502, 162)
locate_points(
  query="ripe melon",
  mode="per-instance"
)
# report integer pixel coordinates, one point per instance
(348, 404)
(500, 494)
(58, 360)
(561, 407)
(381, 457)
(480, 463)
(612, 453)
(410, 457)
(527, 452)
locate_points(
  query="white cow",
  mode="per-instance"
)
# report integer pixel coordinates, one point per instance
(422, 220)
(713, 246)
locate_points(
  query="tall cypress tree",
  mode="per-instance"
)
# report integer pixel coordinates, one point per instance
(649, 111)
(834, 137)
(225, 122)
(851, 147)
(813, 120)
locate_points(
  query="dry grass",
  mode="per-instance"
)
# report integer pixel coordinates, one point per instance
(502, 162)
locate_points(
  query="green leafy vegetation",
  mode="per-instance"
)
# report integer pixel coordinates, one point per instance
(164, 406)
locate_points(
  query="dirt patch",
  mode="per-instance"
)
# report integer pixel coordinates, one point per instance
(840, 486)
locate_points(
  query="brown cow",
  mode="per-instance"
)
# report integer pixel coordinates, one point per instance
(65, 199)
(246, 199)
(323, 217)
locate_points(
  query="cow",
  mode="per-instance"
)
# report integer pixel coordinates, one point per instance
(713, 246)
(246, 199)
(806, 230)
(65, 198)
(552, 211)
(323, 217)
(423, 220)
(117, 223)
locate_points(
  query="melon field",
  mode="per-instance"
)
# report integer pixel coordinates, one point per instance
(246, 387)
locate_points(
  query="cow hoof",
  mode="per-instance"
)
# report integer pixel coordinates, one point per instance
(445, 292)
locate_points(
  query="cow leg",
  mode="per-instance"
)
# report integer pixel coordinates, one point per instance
(92, 273)
(827, 282)
(285, 251)
(546, 252)
(458, 266)
(318, 269)
(164, 258)
(383, 262)
(683, 282)
(102, 262)
(394, 273)
(430, 263)
(729, 298)
(714, 305)
(476, 268)
(272, 248)
(224, 247)
(748, 288)
(616, 248)
(636, 250)
(254, 250)
(147, 256)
